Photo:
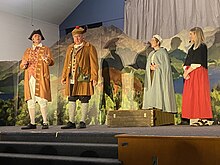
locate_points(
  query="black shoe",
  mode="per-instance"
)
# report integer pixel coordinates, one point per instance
(69, 125)
(30, 126)
(45, 126)
(82, 125)
(184, 121)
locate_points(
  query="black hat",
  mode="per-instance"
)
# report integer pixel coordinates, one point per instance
(36, 32)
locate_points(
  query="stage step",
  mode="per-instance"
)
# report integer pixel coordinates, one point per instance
(62, 149)
(21, 159)
(73, 137)
(59, 147)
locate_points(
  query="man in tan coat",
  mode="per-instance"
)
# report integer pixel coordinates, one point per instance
(80, 75)
(35, 63)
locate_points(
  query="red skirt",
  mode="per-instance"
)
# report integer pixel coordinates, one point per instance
(196, 102)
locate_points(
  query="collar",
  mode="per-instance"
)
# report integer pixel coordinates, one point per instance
(77, 46)
(34, 47)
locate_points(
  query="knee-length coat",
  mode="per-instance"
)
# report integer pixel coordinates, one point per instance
(42, 88)
(87, 60)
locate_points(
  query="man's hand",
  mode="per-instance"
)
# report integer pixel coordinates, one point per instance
(24, 63)
(63, 81)
(94, 83)
(45, 58)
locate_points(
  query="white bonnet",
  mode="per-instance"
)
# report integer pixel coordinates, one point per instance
(158, 37)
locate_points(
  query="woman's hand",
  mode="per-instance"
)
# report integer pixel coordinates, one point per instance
(153, 66)
(186, 75)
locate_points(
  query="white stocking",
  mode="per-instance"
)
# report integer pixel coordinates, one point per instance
(32, 115)
(44, 114)
(72, 109)
(84, 111)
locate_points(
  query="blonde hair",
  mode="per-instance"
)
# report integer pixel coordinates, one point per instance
(200, 38)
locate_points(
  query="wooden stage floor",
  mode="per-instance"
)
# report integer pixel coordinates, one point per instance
(171, 130)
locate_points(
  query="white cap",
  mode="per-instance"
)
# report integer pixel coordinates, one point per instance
(158, 37)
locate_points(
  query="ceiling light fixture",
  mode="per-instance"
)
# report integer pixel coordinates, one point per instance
(32, 12)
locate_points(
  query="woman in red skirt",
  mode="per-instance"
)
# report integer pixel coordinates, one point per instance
(196, 104)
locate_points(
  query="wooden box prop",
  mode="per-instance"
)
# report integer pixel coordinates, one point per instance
(138, 118)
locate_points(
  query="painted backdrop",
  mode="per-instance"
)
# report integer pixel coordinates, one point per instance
(122, 63)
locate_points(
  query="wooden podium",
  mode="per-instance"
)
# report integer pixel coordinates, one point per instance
(168, 150)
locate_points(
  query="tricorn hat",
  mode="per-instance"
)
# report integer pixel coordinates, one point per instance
(79, 30)
(36, 32)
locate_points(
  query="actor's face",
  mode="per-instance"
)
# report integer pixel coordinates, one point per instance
(78, 39)
(154, 43)
(192, 36)
(36, 39)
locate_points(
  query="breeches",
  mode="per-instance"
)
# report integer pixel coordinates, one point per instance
(41, 101)
(83, 99)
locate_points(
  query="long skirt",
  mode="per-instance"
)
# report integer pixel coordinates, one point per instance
(196, 102)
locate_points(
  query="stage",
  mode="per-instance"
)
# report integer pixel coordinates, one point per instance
(171, 130)
(99, 144)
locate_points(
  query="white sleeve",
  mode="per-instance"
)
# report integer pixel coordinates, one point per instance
(194, 66)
